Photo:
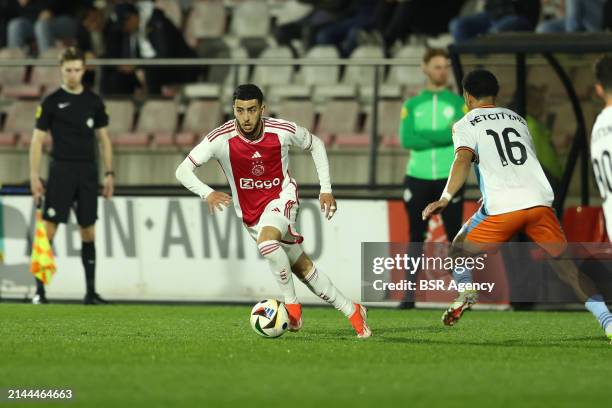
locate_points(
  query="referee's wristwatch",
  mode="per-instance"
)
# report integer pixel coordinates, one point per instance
(109, 173)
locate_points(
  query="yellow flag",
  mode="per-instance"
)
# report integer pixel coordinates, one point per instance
(43, 262)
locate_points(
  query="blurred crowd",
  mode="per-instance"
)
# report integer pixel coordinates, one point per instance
(141, 29)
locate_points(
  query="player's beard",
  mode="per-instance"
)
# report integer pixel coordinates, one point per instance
(253, 134)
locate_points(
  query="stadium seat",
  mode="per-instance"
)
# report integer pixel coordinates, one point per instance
(158, 118)
(19, 90)
(265, 75)
(362, 75)
(323, 80)
(234, 78)
(172, 10)
(385, 90)
(48, 77)
(388, 121)
(205, 21)
(410, 76)
(323, 93)
(12, 78)
(243, 70)
(121, 116)
(201, 117)
(251, 19)
(321, 75)
(131, 140)
(8, 139)
(251, 25)
(299, 111)
(277, 92)
(20, 122)
(359, 140)
(329, 125)
(584, 224)
(202, 90)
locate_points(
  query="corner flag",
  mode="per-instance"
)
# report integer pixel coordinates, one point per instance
(43, 263)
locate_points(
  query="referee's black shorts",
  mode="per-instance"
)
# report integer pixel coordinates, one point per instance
(72, 185)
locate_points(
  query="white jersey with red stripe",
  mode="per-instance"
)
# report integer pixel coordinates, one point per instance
(509, 174)
(257, 170)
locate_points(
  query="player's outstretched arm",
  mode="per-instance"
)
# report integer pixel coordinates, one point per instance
(458, 175)
(326, 198)
(36, 145)
(215, 199)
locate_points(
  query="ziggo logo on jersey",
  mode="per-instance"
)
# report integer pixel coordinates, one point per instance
(250, 184)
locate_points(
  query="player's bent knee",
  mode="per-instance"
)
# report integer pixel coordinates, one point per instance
(269, 234)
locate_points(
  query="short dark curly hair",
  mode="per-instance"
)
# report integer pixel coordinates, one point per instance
(481, 83)
(246, 92)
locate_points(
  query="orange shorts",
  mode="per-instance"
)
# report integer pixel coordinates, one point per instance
(540, 224)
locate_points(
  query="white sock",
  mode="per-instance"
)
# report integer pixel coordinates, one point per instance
(320, 285)
(279, 265)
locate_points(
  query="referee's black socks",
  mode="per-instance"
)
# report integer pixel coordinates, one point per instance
(40, 287)
(88, 257)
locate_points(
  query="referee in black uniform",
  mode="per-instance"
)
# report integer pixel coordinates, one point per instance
(72, 114)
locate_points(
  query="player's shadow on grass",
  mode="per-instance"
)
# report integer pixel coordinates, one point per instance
(410, 329)
(455, 341)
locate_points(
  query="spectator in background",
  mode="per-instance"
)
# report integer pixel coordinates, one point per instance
(323, 13)
(579, 16)
(46, 21)
(121, 39)
(90, 39)
(396, 19)
(498, 16)
(129, 36)
(343, 32)
(426, 130)
(7, 11)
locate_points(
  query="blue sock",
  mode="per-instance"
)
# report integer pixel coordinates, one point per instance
(596, 305)
(465, 276)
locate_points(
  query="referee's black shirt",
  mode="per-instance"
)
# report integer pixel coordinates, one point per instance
(72, 120)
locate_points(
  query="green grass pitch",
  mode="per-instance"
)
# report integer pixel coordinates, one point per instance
(208, 356)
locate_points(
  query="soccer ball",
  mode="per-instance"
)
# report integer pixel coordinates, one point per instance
(269, 318)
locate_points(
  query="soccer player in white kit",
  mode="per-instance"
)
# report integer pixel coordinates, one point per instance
(516, 196)
(601, 137)
(253, 152)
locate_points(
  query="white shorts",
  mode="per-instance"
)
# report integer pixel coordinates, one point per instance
(281, 214)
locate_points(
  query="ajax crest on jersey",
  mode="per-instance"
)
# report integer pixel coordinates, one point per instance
(269, 318)
(258, 170)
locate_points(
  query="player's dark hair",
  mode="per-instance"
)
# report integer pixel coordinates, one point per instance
(603, 72)
(72, 54)
(481, 83)
(434, 52)
(246, 92)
